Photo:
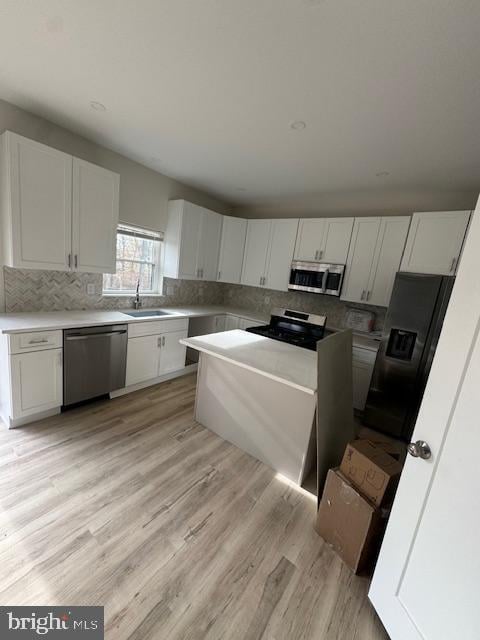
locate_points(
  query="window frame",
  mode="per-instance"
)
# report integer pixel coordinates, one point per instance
(157, 271)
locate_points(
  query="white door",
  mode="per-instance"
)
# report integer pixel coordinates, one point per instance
(310, 239)
(209, 244)
(360, 258)
(95, 217)
(280, 254)
(37, 382)
(425, 585)
(41, 201)
(256, 248)
(435, 241)
(336, 240)
(189, 241)
(143, 359)
(386, 263)
(172, 353)
(232, 246)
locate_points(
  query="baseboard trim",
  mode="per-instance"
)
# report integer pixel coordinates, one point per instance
(190, 368)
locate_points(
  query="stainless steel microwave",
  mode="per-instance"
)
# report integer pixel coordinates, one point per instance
(317, 277)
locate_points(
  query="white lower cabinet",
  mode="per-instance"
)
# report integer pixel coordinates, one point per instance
(363, 362)
(172, 353)
(143, 359)
(244, 323)
(232, 322)
(36, 382)
(151, 356)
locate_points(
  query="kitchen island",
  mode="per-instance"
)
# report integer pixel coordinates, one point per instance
(259, 394)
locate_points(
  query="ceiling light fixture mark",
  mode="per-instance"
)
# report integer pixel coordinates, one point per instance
(97, 106)
(298, 125)
(382, 174)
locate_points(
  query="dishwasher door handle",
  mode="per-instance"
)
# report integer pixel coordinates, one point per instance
(87, 336)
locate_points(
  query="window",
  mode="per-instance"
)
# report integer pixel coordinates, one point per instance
(138, 260)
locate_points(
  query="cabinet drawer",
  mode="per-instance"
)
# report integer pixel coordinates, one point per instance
(137, 329)
(36, 341)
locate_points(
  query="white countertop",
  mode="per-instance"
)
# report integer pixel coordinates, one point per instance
(279, 361)
(55, 320)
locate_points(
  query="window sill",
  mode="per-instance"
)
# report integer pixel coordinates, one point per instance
(111, 294)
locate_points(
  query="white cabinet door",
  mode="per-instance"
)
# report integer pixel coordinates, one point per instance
(37, 382)
(280, 254)
(360, 258)
(95, 217)
(232, 322)
(363, 362)
(435, 241)
(172, 353)
(388, 254)
(231, 249)
(337, 236)
(310, 239)
(244, 323)
(256, 249)
(209, 244)
(191, 222)
(41, 204)
(220, 323)
(143, 359)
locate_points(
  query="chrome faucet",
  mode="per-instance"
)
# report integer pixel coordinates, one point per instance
(137, 303)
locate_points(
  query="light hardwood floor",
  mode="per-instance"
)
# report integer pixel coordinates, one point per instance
(132, 505)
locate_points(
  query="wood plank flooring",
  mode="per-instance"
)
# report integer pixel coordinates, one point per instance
(132, 505)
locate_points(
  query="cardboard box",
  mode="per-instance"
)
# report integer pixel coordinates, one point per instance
(394, 448)
(349, 523)
(371, 470)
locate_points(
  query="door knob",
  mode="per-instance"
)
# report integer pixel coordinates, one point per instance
(419, 449)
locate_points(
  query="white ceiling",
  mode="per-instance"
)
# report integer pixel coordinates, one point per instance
(206, 90)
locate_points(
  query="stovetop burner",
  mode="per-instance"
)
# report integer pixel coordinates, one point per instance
(295, 327)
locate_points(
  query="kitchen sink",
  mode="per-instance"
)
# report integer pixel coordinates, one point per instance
(148, 314)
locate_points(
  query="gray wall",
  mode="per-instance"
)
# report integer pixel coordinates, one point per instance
(381, 202)
(144, 193)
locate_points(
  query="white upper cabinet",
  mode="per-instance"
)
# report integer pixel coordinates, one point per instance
(374, 259)
(280, 254)
(435, 242)
(269, 251)
(232, 246)
(58, 212)
(256, 250)
(324, 239)
(192, 241)
(95, 217)
(209, 244)
(37, 204)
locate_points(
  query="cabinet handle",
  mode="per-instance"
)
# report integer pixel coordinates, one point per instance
(202, 273)
(76, 261)
(219, 275)
(159, 342)
(368, 295)
(362, 297)
(452, 268)
(69, 260)
(42, 341)
(163, 341)
(320, 254)
(316, 254)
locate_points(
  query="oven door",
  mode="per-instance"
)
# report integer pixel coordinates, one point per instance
(308, 276)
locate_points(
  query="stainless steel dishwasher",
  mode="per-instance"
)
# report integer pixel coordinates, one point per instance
(94, 362)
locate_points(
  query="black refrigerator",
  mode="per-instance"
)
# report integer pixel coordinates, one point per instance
(412, 327)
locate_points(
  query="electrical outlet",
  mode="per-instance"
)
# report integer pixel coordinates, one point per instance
(90, 289)
(267, 299)
(170, 290)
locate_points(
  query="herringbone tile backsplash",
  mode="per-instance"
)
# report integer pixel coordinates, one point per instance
(35, 290)
(32, 290)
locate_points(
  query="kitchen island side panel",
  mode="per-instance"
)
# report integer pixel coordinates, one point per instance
(269, 420)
